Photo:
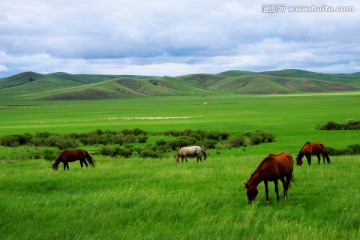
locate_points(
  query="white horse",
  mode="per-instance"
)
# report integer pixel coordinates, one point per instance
(192, 151)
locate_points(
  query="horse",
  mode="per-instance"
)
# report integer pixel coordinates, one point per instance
(192, 151)
(312, 148)
(67, 156)
(272, 168)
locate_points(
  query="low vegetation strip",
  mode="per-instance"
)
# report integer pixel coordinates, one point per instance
(349, 125)
(353, 149)
(130, 142)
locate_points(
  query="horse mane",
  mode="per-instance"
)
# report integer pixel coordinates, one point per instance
(305, 145)
(58, 160)
(265, 160)
(301, 154)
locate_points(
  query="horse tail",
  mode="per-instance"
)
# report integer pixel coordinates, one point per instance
(326, 154)
(204, 152)
(90, 160)
(292, 179)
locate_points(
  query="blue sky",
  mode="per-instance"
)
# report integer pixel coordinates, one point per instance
(172, 37)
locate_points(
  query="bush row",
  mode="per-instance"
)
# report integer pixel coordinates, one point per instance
(122, 143)
(161, 147)
(72, 140)
(31, 153)
(353, 149)
(349, 125)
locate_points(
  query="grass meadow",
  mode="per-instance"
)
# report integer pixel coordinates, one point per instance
(155, 198)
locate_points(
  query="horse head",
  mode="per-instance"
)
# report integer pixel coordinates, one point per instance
(251, 192)
(55, 167)
(298, 161)
(177, 158)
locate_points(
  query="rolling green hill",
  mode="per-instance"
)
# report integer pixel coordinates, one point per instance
(64, 86)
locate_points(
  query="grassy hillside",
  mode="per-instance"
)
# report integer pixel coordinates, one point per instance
(62, 86)
(347, 79)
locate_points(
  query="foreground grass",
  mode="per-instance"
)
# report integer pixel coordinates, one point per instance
(157, 199)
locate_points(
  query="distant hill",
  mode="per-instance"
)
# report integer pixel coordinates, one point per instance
(64, 86)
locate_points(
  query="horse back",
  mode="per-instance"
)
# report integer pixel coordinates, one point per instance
(284, 162)
(189, 151)
(317, 147)
(277, 165)
(72, 155)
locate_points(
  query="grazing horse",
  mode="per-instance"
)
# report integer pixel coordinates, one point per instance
(272, 168)
(312, 148)
(192, 151)
(71, 156)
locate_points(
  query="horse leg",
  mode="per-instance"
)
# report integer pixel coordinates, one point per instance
(277, 189)
(66, 165)
(327, 157)
(308, 157)
(323, 154)
(285, 186)
(318, 156)
(84, 160)
(266, 191)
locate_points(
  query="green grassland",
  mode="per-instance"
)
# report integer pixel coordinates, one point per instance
(134, 198)
(291, 118)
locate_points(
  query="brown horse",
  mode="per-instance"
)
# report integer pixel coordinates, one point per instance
(272, 168)
(71, 156)
(312, 148)
(192, 151)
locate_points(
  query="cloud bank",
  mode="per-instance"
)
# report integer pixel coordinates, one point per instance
(174, 37)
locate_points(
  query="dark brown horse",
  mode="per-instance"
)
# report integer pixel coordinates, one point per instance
(312, 148)
(272, 168)
(71, 156)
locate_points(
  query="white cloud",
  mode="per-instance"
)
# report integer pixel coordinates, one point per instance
(173, 37)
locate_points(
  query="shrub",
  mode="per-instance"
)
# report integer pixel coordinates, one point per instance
(37, 154)
(142, 139)
(237, 141)
(117, 151)
(209, 144)
(149, 153)
(63, 143)
(353, 149)
(181, 142)
(50, 155)
(123, 152)
(251, 138)
(349, 125)
(9, 141)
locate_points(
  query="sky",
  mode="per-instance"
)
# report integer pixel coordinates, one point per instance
(174, 37)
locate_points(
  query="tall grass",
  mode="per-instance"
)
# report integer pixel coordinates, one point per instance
(157, 199)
